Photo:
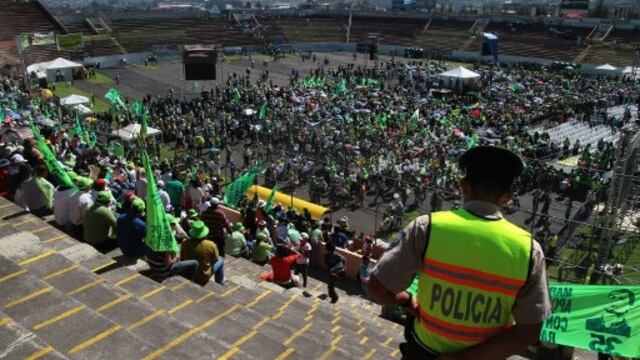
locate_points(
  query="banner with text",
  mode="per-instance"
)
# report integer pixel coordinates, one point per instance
(603, 319)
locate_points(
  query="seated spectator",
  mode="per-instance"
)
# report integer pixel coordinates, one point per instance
(61, 201)
(262, 249)
(166, 264)
(205, 252)
(236, 243)
(216, 220)
(281, 264)
(339, 239)
(262, 228)
(80, 202)
(100, 224)
(38, 192)
(131, 230)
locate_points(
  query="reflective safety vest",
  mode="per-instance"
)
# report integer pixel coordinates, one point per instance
(472, 271)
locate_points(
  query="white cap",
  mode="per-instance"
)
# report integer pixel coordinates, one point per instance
(160, 183)
(18, 159)
(215, 200)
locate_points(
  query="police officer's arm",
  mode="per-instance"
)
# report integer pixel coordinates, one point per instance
(532, 306)
(500, 346)
(397, 267)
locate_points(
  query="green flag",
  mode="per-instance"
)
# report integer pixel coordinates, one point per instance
(236, 190)
(50, 161)
(159, 236)
(114, 96)
(413, 121)
(382, 120)
(603, 319)
(263, 111)
(138, 108)
(472, 141)
(143, 127)
(269, 204)
(515, 86)
(236, 96)
(118, 150)
(342, 87)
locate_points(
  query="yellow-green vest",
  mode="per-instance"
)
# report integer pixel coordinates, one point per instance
(472, 271)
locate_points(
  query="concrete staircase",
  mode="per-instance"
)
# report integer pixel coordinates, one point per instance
(61, 299)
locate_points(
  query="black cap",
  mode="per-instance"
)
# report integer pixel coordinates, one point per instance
(491, 163)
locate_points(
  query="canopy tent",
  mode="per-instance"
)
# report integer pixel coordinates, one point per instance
(132, 131)
(459, 78)
(83, 110)
(631, 73)
(606, 67)
(74, 99)
(49, 69)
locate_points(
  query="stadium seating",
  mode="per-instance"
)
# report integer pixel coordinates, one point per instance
(533, 40)
(444, 35)
(70, 301)
(140, 34)
(302, 29)
(388, 30)
(21, 18)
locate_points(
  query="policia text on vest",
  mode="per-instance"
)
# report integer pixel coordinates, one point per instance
(466, 305)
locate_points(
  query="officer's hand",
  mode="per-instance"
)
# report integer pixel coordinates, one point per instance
(414, 308)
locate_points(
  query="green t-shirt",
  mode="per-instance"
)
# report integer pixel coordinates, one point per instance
(99, 225)
(175, 189)
(261, 252)
(235, 243)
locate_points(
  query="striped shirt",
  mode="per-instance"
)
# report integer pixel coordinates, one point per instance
(216, 221)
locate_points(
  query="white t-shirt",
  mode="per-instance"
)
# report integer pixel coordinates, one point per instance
(302, 249)
(79, 203)
(61, 201)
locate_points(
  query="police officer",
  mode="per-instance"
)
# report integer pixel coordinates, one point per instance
(482, 290)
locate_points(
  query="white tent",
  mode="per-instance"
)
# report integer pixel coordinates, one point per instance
(74, 100)
(606, 67)
(458, 78)
(50, 68)
(631, 72)
(83, 110)
(40, 69)
(132, 131)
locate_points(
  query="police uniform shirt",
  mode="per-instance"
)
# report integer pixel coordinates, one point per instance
(401, 263)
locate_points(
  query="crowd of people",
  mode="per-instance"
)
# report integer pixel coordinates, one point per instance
(345, 134)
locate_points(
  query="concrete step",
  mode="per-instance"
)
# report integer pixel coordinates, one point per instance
(69, 326)
(16, 342)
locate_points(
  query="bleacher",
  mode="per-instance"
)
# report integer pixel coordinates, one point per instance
(618, 49)
(388, 30)
(534, 40)
(303, 29)
(577, 130)
(19, 18)
(137, 35)
(444, 35)
(59, 299)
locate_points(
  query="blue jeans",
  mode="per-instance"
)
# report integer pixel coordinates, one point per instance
(218, 271)
(186, 268)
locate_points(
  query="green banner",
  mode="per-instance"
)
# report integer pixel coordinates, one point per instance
(603, 319)
(236, 190)
(69, 42)
(43, 38)
(24, 41)
(159, 234)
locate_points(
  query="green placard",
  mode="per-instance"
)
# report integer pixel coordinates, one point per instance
(603, 319)
(69, 42)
